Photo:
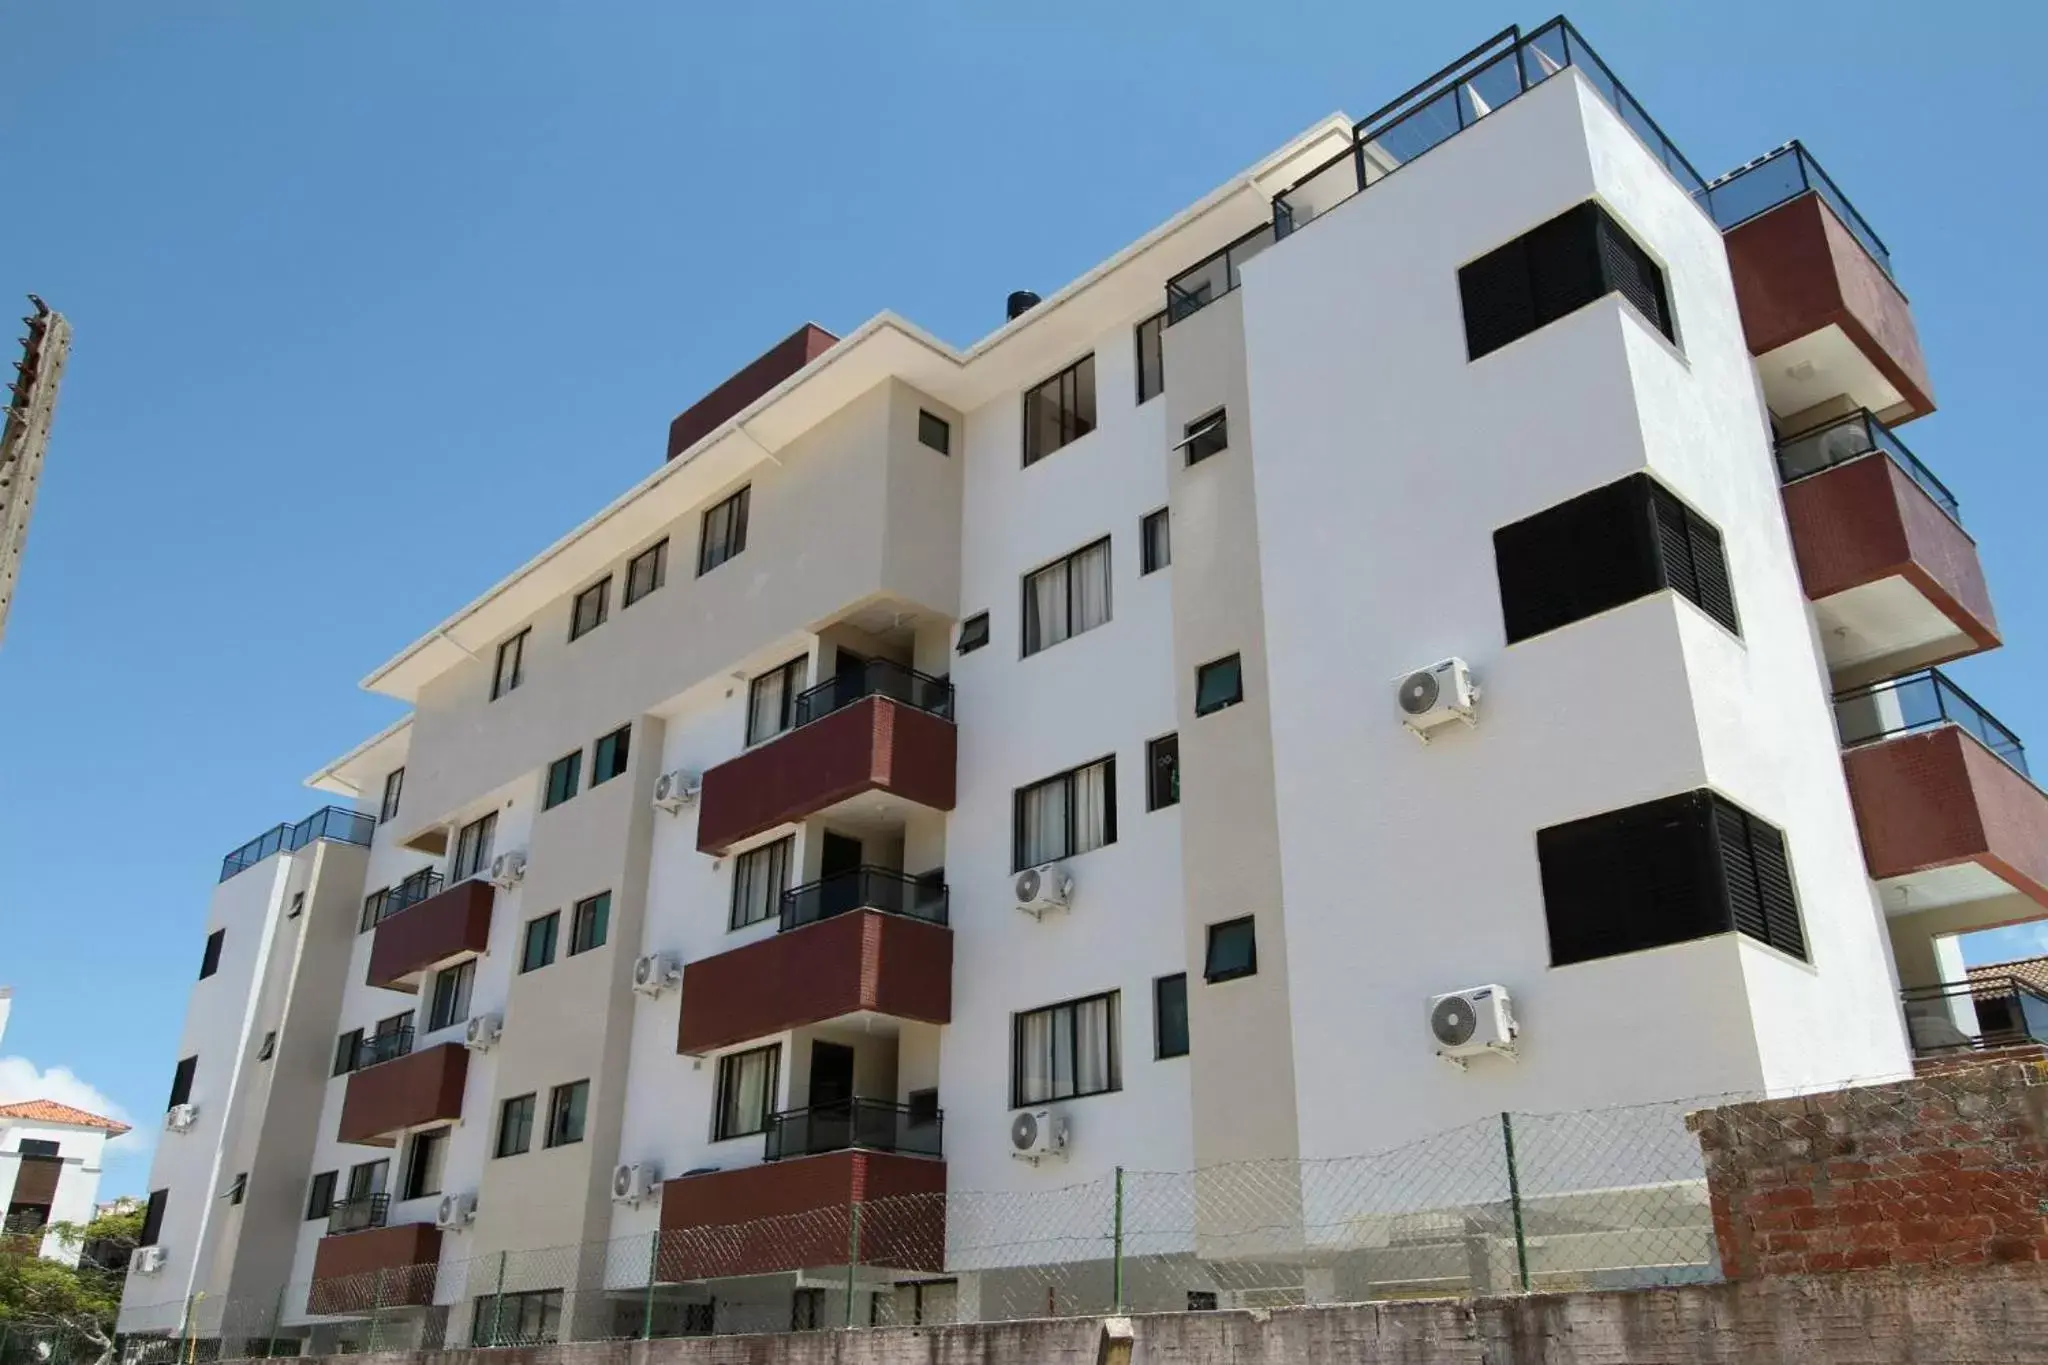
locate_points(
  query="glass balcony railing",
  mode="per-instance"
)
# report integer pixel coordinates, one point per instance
(1922, 701)
(1214, 275)
(359, 1214)
(864, 888)
(1779, 177)
(875, 678)
(329, 822)
(870, 1125)
(382, 1047)
(1851, 438)
(1984, 1012)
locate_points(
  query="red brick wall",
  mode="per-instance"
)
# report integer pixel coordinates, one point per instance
(1939, 1171)
(457, 920)
(731, 398)
(789, 1215)
(385, 1267)
(418, 1088)
(1941, 798)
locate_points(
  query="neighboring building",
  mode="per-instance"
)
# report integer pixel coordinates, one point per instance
(50, 1165)
(897, 622)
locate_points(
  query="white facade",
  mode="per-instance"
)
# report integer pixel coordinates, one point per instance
(78, 1148)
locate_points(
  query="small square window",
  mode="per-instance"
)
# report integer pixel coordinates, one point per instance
(269, 1048)
(935, 431)
(239, 1188)
(591, 923)
(1170, 1016)
(563, 776)
(209, 961)
(646, 571)
(1201, 1300)
(973, 633)
(539, 949)
(1155, 542)
(1205, 436)
(592, 605)
(1219, 684)
(608, 759)
(1233, 951)
(298, 905)
(515, 1125)
(1162, 772)
(746, 1092)
(924, 1108)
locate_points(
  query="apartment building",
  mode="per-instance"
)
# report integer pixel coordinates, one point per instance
(1378, 651)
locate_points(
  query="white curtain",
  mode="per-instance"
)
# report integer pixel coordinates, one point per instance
(1046, 605)
(748, 1100)
(1091, 807)
(1062, 1052)
(1090, 594)
(762, 874)
(764, 712)
(1045, 823)
(1093, 1067)
(1034, 1056)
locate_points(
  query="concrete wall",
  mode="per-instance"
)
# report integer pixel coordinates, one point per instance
(78, 1181)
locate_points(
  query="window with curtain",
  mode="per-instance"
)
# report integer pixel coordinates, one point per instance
(473, 848)
(563, 776)
(746, 1092)
(759, 877)
(1066, 597)
(590, 923)
(1066, 814)
(646, 571)
(725, 532)
(451, 995)
(771, 700)
(1065, 1051)
(566, 1107)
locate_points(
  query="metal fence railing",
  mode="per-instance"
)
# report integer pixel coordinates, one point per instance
(329, 822)
(1922, 701)
(1819, 449)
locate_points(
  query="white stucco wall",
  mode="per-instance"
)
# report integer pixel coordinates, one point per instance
(78, 1184)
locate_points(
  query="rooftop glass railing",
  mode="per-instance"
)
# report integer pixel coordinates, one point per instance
(1821, 448)
(1917, 702)
(329, 822)
(1779, 177)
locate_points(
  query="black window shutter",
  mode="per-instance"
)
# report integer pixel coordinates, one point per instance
(1630, 272)
(1555, 269)
(1628, 879)
(1674, 541)
(1575, 560)
(1774, 883)
(1565, 272)
(1738, 871)
(1716, 594)
(1498, 303)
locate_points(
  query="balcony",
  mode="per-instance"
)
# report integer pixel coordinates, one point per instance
(885, 729)
(798, 1214)
(362, 1264)
(1823, 316)
(395, 1088)
(1977, 1015)
(1894, 579)
(849, 1125)
(832, 958)
(446, 922)
(1942, 798)
(359, 1214)
(329, 822)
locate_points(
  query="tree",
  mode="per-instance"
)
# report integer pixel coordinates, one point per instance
(54, 1302)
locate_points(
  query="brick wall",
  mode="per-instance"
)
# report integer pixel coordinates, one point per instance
(1943, 1171)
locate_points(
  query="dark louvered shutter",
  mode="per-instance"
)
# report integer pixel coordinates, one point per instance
(1575, 560)
(1629, 271)
(1564, 264)
(153, 1219)
(1738, 871)
(1629, 879)
(1554, 269)
(1774, 880)
(1715, 594)
(1495, 293)
(1674, 541)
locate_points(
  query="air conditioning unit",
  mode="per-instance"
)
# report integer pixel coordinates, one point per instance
(147, 1260)
(1040, 889)
(1437, 695)
(673, 791)
(655, 973)
(1473, 1022)
(508, 869)
(1036, 1134)
(634, 1182)
(179, 1118)
(483, 1031)
(456, 1211)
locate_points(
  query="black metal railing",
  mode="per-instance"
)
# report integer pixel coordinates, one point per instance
(357, 1214)
(1985, 1012)
(1922, 701)
(1778, 177)
(329, 822)
(1214, 275)
(1437, 110)
(1851, 438)
(872, 1125)
(419, 886)
(875, 678)
(864, 888)
(382, 1047)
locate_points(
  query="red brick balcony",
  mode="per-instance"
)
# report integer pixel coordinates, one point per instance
(376, 1267)
(407, 1091)
(448, 923)
(890, 732)
(789, 1215)
(859, 961)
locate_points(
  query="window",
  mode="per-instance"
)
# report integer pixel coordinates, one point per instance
(539, 948)
(298, 905)
(238, 1187)
(566, 1104)
(1233, 951)
(725, 532)
(1066, 597)
(807, 1310)
(181, 1082)
(1170, 1016)
(394, 783)
(1556, 269)
(759, 877)
(511, 669)
(587, 926)
(1162, 772)
(368, 1179)
(373, 909)
(39, 1147)
(1067, 814)
(973, 633)
(646, 571)
(1155, 542)
(1151, 357)
(345, 1049)
(1219, 684)
(1201, 1300)
(1065, 1051)
(1205, 436)
(320, 1198)
(1059, 410)
(771, 700)
(425, 1156)
(515, 1125)
(608, 759)
(746, 1092)
(563, 775)
(1668, 871)
(473, 848)
(451, 995)
(153, 1219)
(269, 1048)
(590, 609)
(209, 961)
(530, 1318)
(935, 431)
(1604, 548)
(923, 1106)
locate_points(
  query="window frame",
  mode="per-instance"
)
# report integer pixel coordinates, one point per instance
(926, 419)
(209, 958)
(462, 975)
(528, 1110)
(565, 777)
(1233, 660)
(269, 1048)
(590, 910)
(1212, 975)
(183, 1077)
(394, 791)
(320, 1195)
(412, 1185)
(1113, 1035)
(971, 638)
(238, 1188)
(1018, 797)
(786, 848)
(723, 1092)
(614, 749)
(153, 1218)
(601, 593)
(1204, 437)
(1155, 552)
(503, 682)
(1154, 747)
(552, 936)
(737, 508)
(473, 857)
(570, 1101)
(657, 553)
(347, 1045)
(1159, 984)
(792, 675)
(1157, 322)
(1070, 431)
(1028, 616)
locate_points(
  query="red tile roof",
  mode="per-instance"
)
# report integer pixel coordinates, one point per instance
(49, 1111)
(2031, 971)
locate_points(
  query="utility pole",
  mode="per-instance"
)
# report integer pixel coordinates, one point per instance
(32, 403)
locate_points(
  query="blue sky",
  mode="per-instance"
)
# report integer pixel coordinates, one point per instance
(375, 300)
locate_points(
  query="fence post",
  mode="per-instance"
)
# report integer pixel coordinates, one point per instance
(1117, 1244)
(1507, 1136)
(852, 1256)
(276, 1321)
(497, 1302)
(377, 1313)
(653, 1273)
(191, 1342)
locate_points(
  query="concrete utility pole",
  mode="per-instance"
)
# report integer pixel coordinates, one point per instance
(32, 404)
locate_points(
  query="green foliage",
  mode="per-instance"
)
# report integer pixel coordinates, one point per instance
(56, 1300)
